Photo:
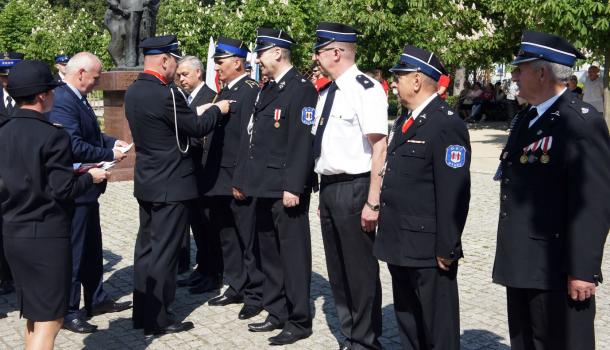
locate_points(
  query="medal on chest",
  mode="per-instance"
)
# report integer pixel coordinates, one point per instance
(546, 146)
(276, 116)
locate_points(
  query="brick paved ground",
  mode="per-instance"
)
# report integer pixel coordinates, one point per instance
(483, 311)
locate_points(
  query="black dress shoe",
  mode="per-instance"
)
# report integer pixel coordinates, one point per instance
(79, 326)
(223, 300)
(249, 311)
(266, 326)
(347, 345)
(205, 285)
(194, 278)
(3, 315)
(172, 328)
(287, 337)
(6, 287)
(109, 306)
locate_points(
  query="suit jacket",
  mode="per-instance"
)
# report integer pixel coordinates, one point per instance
(223, 144)
(554, 210)
(162, 172)
(426, 189)
(277, 157)
(89, 144)
(205, 95)
(36, 169)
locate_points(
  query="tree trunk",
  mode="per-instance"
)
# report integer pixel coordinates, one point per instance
(606, 84)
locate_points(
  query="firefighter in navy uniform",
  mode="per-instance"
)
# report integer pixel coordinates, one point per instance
(554, 207)
(275, 167)
(160, 121)
(231, 219)
(424, 204)
(7, 106)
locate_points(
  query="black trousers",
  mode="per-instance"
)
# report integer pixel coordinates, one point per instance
(353, 271)
(427, 308)
(285, 249)
(544, 320)
(240, 250)
(162, 227)
(87, 259)
(207, 239)
(5, 270)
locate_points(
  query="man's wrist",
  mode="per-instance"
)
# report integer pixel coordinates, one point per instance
(373, 207)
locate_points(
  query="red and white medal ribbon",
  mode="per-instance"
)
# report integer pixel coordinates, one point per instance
(546, 144)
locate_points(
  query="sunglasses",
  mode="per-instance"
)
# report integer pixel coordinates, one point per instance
(319, 51)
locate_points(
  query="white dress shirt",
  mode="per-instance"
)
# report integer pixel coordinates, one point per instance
(544, 106)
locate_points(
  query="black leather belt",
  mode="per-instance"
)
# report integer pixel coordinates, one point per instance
(329, 179)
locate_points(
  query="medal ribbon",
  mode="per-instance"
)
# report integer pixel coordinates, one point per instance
(546, 145)
(277, 114)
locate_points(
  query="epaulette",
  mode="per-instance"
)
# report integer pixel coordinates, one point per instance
(252, 84)
(364, 81)
(583, 110)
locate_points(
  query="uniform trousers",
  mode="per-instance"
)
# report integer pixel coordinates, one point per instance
(162, 227)
(549, 319)
(285, 249)
(426, 305)
(240, 250)
(87, 259)
(353, 271)
(209, 254)
(5, 270)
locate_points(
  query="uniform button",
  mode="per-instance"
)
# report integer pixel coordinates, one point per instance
(452, 254)
(506, 180)
(422, 227)
(596, 277)
(388, 169)
(393, 153)
(557, 235)
(412, 151)
(503, 214)
(383, 204)
(504, 196)
(251, 157)
(509, 163)
(205, 150)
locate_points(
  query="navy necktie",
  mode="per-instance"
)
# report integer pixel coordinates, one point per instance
(328, 104)
(9, 105)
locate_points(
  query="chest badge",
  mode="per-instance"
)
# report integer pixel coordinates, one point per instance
(584, 110)
(455, 156)
(277, 114)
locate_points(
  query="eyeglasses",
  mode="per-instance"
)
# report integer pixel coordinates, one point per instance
(319, 51)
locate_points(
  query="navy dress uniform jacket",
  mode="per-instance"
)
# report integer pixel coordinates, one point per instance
(163, 173)
(223, 147)
(555, 216)
(264, 168)
(424, 200)
(89, 144)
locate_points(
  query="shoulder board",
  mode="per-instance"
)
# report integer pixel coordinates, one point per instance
(584, 110)
(251, 83)
(364, 81)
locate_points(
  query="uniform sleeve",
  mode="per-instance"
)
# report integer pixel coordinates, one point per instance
(374, 117)
(299, 161)
(451, 159)
(189, 123)
(109, 142)
(68, 115)
(64, 184)
(588, 200)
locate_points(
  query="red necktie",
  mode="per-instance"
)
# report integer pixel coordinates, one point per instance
(407, 124)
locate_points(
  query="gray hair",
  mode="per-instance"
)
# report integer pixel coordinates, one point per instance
(560, 73)
(286, 54)
(82, 60)
(193, 62)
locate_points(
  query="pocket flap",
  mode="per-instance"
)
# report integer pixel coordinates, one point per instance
(418, 224)
(414, 150)
(276, 162)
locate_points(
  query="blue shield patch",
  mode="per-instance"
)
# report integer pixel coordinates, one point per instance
(308, 115)
(455, 157)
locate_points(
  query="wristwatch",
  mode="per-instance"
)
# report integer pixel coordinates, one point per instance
(373, 207)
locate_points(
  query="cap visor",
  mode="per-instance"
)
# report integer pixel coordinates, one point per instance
(177, 55)
(402, 68)
(522, 59)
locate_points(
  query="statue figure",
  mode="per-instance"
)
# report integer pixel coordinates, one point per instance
(129, 22)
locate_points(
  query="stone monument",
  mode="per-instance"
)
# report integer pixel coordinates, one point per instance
(129, 22)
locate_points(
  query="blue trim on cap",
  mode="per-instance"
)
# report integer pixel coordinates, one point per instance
(344, 37)
(548, 54)
(233, 50)
(426, 68)
(9, 63)
(264, 42)
(62, 58)
(162, 49)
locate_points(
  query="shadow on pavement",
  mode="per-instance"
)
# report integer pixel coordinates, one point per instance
(482, 339)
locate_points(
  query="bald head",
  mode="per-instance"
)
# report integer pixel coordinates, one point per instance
(83, 72)
(83, 60)
(164, 64)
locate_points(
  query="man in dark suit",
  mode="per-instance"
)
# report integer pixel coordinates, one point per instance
(554, 207)
(164, 182)
(275, 168)
(208, 273)
(7, 106)
(231, 218)
(89, 145)
(424, 203)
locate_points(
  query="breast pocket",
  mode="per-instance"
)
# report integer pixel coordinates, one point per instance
(412, 158)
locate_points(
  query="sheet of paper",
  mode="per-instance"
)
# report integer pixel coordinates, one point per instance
(125, 149)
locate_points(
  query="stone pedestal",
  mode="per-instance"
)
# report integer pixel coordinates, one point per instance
(114, 84)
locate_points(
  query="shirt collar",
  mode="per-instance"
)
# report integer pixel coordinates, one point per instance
(234, 81)
(74, 90)
(347, 76)
(196, 90)
(544, 106)
(417, 111)
(279, 77)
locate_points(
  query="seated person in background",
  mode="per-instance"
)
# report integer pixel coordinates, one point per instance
(464, 104)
